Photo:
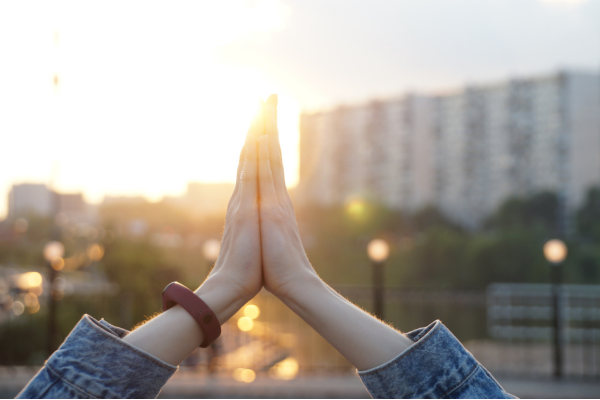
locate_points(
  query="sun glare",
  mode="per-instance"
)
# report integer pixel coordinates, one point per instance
(129, 113)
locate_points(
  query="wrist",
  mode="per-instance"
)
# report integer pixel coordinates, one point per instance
(222, 298)
(303, 284)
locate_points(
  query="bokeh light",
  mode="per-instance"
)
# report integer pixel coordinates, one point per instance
(57, 263)
(286, 369)
(18, 308)
(95, 252)
(33, 309)
(29, 280)
(356, 208)
(378, 250)
(211, 249)
(555, 251)
(30, 300)
(245, 324)
(53, 249)
(244, 375)
(251, 311)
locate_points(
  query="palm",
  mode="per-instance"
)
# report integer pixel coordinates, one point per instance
(284, 259)
(240, 256)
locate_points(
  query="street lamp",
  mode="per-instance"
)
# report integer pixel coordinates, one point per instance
(378, 251)
(210, 251)
(555, 251)
(53, 252)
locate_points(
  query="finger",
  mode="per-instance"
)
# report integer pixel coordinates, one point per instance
(257, 128)
(275, 152)
(239, 171)
(248, 184)
(252, 131)
(247, 180)
(265, 177)
(273, 100)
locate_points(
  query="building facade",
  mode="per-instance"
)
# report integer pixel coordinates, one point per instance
(464, 152)
(29, 199)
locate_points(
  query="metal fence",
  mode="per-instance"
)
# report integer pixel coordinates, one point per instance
(520, 326)
(507, 328)
(279, 343)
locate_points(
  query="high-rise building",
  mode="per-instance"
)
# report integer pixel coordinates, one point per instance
(30, 198)
(377, 152)
(464, 152)
(37, 199)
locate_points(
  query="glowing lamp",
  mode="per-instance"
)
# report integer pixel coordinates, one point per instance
(53, 249)
(378, 250)
(251, 311)
(210, 249)
(555, 251)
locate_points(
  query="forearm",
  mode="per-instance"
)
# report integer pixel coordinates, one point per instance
(174, 334)
(364, 340)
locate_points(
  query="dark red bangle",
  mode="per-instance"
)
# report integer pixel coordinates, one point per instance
(176, 293)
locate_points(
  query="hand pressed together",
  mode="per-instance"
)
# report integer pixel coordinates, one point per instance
(260, 227)
(285, 265)
(238, 267)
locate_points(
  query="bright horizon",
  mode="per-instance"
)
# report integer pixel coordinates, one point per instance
(139, 109)
(153, 95)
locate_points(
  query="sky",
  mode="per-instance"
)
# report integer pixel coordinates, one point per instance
(152, 95)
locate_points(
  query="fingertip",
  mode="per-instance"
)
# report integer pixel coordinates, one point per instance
(273, 100)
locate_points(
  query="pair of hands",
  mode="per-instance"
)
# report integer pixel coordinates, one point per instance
(261, 243)
(261, 247)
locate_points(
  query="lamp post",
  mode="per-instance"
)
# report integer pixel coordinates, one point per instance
(210, 251)
(555, 251)
(53, 252)
(378, 251)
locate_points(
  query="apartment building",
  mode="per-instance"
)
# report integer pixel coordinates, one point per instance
(38, 199)
(464, 152)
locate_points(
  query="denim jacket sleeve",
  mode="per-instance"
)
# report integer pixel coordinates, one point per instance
(93, 362)
(435, 366)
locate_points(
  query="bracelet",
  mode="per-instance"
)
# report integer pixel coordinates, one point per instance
(176, 293)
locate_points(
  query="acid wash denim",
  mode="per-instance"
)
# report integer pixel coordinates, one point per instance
(437, 366)
(94, 362)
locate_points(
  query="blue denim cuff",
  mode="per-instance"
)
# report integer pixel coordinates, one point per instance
(436, 366)
(94, 360)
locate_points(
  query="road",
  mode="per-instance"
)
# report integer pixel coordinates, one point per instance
(191, 385)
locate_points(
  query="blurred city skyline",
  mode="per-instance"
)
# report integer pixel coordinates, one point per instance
(141, 100)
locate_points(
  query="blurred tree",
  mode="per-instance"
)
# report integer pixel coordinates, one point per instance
(537, 212)
(588, 217)
(140, 270)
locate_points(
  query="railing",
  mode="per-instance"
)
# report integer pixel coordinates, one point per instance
(508, 331)
(281, 344)
(520, 325)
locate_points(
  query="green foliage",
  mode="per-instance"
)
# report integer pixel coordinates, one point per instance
(440, 254)
(141, 271)
(588, 217)
(538, 212)
(427, 250)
